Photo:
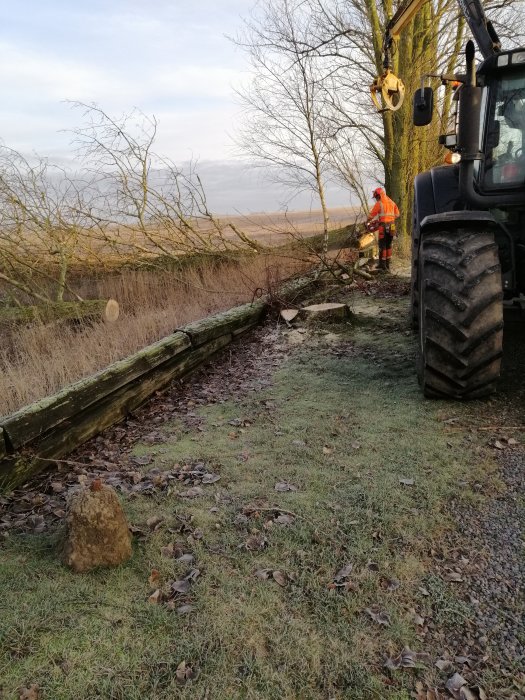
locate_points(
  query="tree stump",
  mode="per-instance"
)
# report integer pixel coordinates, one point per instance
(325, 312)
(97, 530)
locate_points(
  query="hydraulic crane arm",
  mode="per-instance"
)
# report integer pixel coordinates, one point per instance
(388, 85)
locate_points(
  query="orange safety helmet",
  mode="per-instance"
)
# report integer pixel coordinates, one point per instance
(378, 192)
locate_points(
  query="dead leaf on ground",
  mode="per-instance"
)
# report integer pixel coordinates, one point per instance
(406, 482)
(283, 486)
(255, 543)
(445, 665)
(355, 445)
(182, 586)
(156, 597)
(263, 574)
(154, 577)
(186, 559)
(453, 576)
(327, 450)
(426, 693)
(30, 693)
(194, 492)
(184, 673)
(280, 578)
(379, 616)
(284, 519)
(155, 522)
(193, 575)
(458, 687)
(210, 478)
(390, 584)
(407, 659)
(343, 573)
(185, 609)
(416, 618)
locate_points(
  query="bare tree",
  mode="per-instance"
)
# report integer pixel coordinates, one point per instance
(143, 203)
(286, 125)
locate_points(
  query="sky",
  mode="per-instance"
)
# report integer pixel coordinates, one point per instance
(170, 58)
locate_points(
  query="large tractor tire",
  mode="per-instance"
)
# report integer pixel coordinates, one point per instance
(460, 314)
(414, 283)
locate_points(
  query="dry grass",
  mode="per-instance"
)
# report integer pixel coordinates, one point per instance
(38, 360)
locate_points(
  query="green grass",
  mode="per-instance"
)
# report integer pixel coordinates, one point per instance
(96, 636)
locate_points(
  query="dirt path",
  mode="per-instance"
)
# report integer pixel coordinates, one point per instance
(352, 520)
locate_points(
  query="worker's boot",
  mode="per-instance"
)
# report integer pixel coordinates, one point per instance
(387, 261)
(382, 264)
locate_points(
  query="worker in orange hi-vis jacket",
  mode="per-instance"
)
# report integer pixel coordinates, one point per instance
(385, 211)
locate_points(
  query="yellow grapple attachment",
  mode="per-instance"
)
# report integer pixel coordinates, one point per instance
(388, 92)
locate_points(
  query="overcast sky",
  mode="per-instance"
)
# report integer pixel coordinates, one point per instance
(170, 58)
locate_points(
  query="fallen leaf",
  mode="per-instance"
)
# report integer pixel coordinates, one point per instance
(407, 482)
(284, 519)
(155, 522)
(416, 618)
(445, 665)
(280, 578)
(343, 573)
(193, 575)
(186, 559)
(154, 577)
(283, 486)
(210, 478)
(194, 492)
(30, 693)
(184, 673)
(498, 445)
(185, 609)
(327, 450)
(255, 543)
(512, 441)
(355, 445)
(182, 586)
(454, 684)
(407, 659)
(379, 616)
(155, 597)
(390, 584)
(453, 576)
(142, 461)
(263, 574)
(168, 551)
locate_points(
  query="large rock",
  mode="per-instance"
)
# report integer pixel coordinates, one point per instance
(97, 530)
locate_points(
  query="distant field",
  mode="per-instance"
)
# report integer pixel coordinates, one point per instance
(275, 227)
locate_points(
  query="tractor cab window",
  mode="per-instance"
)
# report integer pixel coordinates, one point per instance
(505, 133)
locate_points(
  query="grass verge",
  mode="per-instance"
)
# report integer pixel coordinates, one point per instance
(344, 422)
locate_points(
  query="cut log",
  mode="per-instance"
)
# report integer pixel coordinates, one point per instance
(103, 309)
(325, 312)
(363, 274)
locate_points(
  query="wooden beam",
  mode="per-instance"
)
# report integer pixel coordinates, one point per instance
(62, 439)
(32, 421)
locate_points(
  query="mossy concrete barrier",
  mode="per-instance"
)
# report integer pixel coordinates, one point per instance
(51, 428)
